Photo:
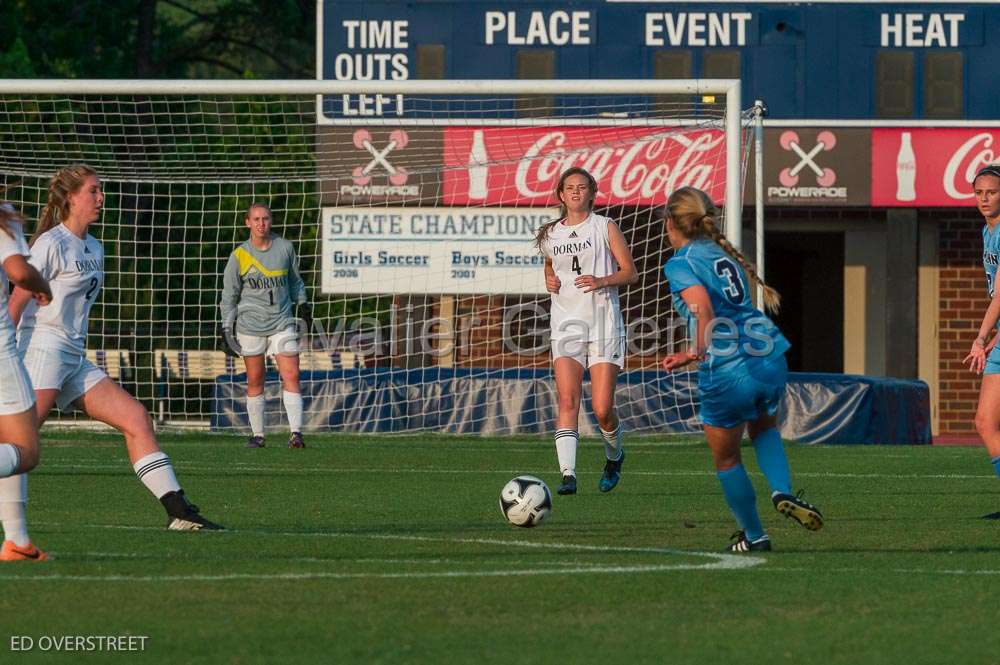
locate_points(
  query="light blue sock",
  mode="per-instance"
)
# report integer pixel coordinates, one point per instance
(738, 490)
(772, 460)
(996, 464)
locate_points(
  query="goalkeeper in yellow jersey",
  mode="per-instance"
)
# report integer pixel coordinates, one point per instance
(263, 295)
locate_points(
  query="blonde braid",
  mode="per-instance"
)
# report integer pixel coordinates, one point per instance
(693, 215)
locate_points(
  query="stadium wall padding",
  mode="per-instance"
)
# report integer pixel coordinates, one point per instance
(818, 408)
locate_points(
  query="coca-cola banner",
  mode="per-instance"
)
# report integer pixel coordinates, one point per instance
(804, 166)
(916, 167)
(637, 166)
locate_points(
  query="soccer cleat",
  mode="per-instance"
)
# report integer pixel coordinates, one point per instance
(255, 442)
(295, 440)
(185, 516)
(798, 509)
(11, 552)
(612, 473)
(568, 485)
(991, 516)
(742, 545)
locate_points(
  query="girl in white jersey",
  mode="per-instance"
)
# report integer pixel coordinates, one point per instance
(18, 424)
(52, 340)
(581, 251)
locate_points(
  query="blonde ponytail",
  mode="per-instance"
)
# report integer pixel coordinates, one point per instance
(693, 215)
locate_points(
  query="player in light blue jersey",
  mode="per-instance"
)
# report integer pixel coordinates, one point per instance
(741, 362)
(984, 358)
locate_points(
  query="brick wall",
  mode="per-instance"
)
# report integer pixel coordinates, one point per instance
(963, 303)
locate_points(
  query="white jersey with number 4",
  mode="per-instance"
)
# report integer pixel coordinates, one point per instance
(583, 249)
(74, 268)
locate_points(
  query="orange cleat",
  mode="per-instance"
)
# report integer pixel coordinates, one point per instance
(11, 552)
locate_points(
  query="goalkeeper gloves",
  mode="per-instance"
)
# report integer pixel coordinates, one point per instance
(304, 312)
(228, 339)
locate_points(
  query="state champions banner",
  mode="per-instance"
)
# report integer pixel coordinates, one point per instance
(432, 250)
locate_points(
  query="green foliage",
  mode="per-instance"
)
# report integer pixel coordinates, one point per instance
(157, 39)
(15, 62)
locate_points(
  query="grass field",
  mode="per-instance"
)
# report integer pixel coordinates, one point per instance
(388, 550)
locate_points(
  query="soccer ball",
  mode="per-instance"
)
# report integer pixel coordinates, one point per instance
(525, 501)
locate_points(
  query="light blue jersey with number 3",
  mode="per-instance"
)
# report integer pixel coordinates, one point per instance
(742, 332)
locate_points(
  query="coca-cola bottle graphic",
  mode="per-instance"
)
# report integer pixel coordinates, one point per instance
(478, 170)
(906, 170)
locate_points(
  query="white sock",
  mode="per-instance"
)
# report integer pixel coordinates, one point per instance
(613, 442)
(10, 457)
(157, 474)
(293, 408)
(13, 499)
(255, 412)
(566, 442)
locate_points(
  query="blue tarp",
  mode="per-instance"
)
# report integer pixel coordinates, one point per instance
(818, 408)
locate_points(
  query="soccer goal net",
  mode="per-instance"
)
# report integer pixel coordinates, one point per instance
(413, 207)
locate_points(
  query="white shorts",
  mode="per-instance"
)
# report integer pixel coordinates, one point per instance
(16, 393)
(66, 371)
(284, 343)
(588, 354)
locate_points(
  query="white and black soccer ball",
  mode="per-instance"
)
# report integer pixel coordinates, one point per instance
(526, 501)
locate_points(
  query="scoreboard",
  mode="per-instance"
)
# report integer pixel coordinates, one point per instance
(821, 60)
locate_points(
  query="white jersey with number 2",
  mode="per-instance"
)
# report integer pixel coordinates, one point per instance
(74, 268)
(583, 249)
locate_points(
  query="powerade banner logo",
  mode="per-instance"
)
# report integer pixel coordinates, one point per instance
(805, 166)
(365, 164)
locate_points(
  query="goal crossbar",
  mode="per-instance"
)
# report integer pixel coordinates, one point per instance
(730, 88)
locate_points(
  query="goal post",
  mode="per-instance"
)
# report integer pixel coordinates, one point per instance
(412, 205)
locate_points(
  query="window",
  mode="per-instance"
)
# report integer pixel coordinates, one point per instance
(430, 61)
(672, 64)
(894, 84)
(536, 64)
(943, 84)
(720, 65)
(675, 64)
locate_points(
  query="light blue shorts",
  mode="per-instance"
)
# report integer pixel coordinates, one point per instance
(993, 361)
(751, 390)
